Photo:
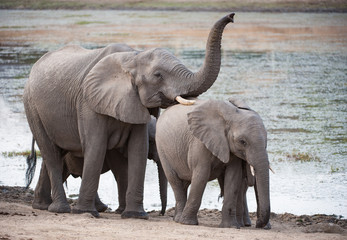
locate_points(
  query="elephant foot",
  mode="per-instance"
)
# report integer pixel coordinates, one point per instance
(177, 216)
(75, 210)
(229, 224)
(41, 205)
(189, 221)
(248, 223)
(59, 207)
(101, 207)
(268, 226)
(261, 225)
(119, 210)
(162, 212)
(133, 214)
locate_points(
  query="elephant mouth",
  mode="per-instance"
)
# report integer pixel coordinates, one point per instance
(160, 98)
(165, 102)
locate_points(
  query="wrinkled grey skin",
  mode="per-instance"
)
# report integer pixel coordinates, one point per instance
(115, 161)
(89, 102)
(248, 180)
(198, 143)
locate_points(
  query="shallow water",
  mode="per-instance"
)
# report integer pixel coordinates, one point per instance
(290, 68)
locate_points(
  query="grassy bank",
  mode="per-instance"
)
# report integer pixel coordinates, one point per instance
(189, 5)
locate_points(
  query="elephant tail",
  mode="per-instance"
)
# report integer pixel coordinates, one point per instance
(31, 162)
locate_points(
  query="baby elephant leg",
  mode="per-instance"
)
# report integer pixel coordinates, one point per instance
(201, 170)
(190, 212)
(232, 185)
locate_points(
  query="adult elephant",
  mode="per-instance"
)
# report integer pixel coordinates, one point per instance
(116, 161)
(88, 102)
(201, 142)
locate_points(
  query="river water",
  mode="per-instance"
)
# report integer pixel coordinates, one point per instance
(289, 67)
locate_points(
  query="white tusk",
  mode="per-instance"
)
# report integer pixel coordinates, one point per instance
(271, 170)
(183, 101)
(252, 170)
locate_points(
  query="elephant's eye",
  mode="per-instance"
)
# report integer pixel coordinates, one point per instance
(158, 75)
(243, 142)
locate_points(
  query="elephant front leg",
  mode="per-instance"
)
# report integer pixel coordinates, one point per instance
(232, 185)
(137, 160)
(190, 213)
(93, 162)
(94, 140)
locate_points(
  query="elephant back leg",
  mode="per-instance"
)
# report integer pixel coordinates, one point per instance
(42, 195)
(52, 168)
(199, 160)
(119, 167)
(178, 186)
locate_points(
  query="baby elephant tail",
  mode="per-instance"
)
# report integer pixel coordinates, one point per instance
(31, 162)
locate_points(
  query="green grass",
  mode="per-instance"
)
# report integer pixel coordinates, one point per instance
(20, 153)
(336, 169)
(20, 76)
(12, 27)
(77, 15)
(296, 156)
(302, 157)
(89, 22)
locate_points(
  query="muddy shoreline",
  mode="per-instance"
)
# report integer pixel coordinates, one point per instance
(15, 207)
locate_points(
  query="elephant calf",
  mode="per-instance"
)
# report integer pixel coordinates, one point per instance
(210, 140)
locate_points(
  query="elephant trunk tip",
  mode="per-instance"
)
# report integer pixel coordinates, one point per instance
(231, 17)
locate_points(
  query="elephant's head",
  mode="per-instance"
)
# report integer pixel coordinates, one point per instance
(126, 85)
(231, 127)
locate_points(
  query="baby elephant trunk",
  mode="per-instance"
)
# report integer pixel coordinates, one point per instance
(262, 190)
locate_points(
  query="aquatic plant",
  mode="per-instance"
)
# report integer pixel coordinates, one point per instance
(302, 157)
(336, 169)
(89, 22)
(19, 153)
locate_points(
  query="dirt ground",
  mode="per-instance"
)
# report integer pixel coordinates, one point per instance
(18, 220)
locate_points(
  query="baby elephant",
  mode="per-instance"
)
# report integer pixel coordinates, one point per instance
(209, 140)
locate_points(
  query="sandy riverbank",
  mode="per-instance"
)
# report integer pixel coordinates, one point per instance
(19, 221)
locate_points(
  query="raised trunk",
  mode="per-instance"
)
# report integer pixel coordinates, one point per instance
(199, 82)
(262, 189)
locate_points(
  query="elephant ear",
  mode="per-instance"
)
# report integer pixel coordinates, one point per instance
(207, 124)
(239, 103)
(108, 89)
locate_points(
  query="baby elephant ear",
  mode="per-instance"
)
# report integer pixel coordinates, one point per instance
(207, 124)
(239, 103)
(108, 90)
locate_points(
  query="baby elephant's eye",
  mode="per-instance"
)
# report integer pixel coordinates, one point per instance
(243, 142)
(157, 74)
